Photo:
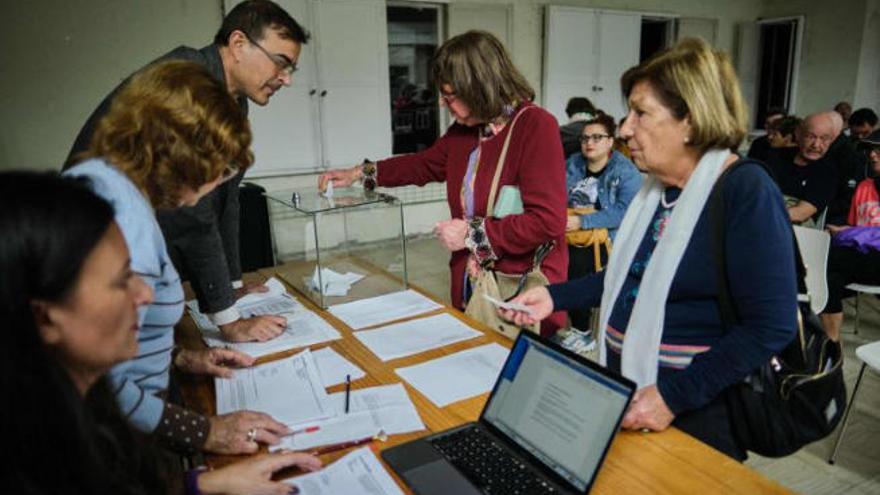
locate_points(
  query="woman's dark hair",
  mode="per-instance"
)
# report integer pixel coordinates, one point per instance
(55, 440)
(786, 126)
(604, 120)
(481, 74)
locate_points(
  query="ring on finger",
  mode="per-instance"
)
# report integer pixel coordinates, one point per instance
(252, 435)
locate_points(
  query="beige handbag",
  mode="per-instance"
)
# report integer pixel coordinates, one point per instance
(504, 286)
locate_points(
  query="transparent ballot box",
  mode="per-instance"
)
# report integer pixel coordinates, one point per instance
(341, 248)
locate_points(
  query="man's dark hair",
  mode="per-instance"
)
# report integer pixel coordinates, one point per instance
(786, 125)
(863, 116)
(579, 104)
(777, 111)
(252, 17)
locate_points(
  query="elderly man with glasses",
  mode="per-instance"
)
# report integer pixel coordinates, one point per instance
(254, 54)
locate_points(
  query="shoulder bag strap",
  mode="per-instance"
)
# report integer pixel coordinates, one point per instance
(493, 191)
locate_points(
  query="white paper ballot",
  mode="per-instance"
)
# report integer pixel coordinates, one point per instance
(372, 311)
(357, 472)
(387, 408)
(508, 305)
(289, 390)
(334, 283)
(304, 328)
(457, 376)
(333, 368)
(415, 336)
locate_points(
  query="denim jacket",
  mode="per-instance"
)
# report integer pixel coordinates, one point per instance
(617, 187)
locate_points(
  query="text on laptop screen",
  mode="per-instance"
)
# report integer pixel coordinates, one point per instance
(560, 410)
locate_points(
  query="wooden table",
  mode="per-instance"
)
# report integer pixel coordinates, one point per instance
(670, 462)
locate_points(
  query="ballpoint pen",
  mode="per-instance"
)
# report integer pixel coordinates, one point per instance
(309, 429)
(347, 391)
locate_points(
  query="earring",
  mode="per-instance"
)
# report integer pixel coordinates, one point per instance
(687, 140)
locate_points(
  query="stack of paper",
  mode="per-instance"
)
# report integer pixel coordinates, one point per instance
(331, 283)
(415, 336)
(372, 311)
(457, 376)
(357, 472)
(289, 390)
(387, 408)
(304, 327)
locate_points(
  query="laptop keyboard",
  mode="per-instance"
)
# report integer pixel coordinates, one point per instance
(488, 465)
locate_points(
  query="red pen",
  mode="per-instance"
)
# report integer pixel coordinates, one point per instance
(381, 436)
(310, 429)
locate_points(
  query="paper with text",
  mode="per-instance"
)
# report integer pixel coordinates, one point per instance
(333, 367)
(289, 390)
(357, 472)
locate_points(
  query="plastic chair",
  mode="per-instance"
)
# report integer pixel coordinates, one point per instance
(814, 245)
(859, 289)
(870, 356)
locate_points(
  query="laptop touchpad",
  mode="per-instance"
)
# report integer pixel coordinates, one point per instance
(438, 478)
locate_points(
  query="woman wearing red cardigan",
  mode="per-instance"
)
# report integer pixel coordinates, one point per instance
(484, 93)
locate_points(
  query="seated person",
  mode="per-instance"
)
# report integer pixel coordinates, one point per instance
(579, 110)
(807, 181)
(602, 181)
(760, 147)
(851, 259)
(862, 123)
(172, 135)
(781, 133)
(69, 300)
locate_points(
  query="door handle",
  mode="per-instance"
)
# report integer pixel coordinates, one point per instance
(323, 93)
(312, 92)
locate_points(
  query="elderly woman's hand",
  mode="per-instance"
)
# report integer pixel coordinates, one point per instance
(573, 223)
(451, 233)
(648, 410)
(537, 299)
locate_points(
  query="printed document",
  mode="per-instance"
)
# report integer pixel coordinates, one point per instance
(373, 311)
(357, 472)
(289, 390)
(458, 376)
(386, 408)
(333, 368)
(415, 336)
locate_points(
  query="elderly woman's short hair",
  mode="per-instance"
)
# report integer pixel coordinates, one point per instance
(695, 81)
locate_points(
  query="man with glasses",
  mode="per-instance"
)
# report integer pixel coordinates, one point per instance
(805, 177)
(254, 54)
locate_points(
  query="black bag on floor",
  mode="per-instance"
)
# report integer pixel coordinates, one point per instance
(799, 396)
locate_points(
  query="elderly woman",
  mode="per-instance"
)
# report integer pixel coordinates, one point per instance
(659, 294)
(69, 301)
(601, 182)
(485, 94)
(855, 250)
(172, 135)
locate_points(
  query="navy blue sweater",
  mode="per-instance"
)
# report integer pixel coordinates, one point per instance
(699, 357)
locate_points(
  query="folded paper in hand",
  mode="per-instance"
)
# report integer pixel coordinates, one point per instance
(508, 305)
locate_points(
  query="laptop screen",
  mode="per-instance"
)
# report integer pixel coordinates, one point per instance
(563, 411)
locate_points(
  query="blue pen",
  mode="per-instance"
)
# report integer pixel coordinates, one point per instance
(347, 391)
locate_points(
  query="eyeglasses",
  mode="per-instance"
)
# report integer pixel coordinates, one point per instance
(449, 98)
(228, 173)
(593, 137)
(281, 62)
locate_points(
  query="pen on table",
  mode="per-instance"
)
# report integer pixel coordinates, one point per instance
(381, 436)
(310, 429)
(347, 391)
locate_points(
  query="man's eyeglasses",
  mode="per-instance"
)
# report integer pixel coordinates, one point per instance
(449, 98)
(593, 137)
(283, 63)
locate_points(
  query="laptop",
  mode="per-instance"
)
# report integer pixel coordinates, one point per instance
(546, 428)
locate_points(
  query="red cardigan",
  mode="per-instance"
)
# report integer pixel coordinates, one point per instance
(534, 163)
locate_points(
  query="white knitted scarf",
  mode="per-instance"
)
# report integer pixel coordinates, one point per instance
(641, 344)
